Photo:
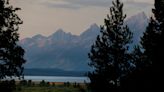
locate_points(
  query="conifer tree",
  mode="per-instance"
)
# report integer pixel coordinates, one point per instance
(152, 42)
(159, 19)
(150, 53)
(109, 54)
(11, 54)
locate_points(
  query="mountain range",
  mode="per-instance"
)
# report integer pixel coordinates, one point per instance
(69, 52)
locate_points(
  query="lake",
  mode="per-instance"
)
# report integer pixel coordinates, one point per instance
(58, 79)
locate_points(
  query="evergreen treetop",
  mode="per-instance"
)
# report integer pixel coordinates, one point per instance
(109, 54)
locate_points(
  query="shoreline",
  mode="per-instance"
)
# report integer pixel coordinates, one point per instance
(56, 79)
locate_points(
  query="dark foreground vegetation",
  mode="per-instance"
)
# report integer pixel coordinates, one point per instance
(116, 68)
(42, 86)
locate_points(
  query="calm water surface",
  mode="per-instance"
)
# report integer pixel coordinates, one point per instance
(57, 79)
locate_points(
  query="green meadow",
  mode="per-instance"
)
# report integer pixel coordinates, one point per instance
(29, 86)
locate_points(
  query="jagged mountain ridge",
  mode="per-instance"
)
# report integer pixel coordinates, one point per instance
(137, 25)
(69, 52)
(60, 50)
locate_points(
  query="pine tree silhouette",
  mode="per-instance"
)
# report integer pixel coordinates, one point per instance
(152, 42)
(109, 54)
(141, 79)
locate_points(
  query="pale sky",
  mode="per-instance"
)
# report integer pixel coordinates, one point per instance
(75, 16)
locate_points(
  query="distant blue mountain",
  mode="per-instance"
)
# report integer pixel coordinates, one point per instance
(137, 25)
(60, 50)
(69, 52)
(52, 72)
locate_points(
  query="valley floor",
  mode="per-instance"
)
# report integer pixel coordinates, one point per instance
(50, 87)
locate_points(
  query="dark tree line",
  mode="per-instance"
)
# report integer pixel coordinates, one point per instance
(116, 69)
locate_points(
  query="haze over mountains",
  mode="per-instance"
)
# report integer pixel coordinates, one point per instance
(69, 52)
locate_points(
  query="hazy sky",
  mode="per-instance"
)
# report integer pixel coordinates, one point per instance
(75, 16)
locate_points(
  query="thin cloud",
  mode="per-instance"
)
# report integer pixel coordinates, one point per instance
(61, 4)
(77, 4)
(88, 3)
(144, 1)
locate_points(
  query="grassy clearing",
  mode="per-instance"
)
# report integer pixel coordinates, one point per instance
(50, 87)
